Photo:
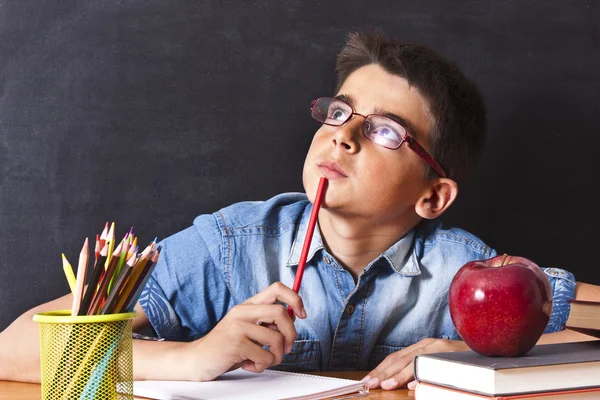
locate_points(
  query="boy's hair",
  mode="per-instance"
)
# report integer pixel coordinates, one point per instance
(459, 116)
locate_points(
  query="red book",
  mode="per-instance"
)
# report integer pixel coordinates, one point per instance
(427, 391)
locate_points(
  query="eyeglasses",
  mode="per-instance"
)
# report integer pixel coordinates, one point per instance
(379, 129)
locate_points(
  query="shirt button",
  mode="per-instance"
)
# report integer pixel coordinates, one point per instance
(349, 309)
(327, 260)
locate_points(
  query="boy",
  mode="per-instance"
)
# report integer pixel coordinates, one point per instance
(402, 132)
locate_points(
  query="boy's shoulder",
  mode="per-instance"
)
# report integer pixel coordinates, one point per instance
(432, 237)
(250, 217)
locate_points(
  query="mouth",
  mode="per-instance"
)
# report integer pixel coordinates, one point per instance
(331, 170)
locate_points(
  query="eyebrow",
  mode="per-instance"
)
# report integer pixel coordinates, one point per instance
(382, 111)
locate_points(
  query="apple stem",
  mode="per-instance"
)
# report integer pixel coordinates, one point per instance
(504, 258)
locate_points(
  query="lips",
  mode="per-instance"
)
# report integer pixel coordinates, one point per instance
(331, 170)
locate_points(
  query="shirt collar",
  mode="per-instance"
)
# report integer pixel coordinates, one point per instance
(400, 256)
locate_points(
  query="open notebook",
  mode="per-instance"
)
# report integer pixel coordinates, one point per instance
(247, 385)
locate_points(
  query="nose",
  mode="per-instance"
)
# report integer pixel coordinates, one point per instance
(347, 136)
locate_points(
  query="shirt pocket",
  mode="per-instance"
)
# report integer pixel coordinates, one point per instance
(380, 352)
(304, 357)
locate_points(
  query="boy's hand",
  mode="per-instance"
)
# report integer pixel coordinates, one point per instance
(238, 339)
(397, 369)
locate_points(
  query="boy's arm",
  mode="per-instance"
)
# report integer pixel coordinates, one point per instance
(397, 369)
(20, 342)
(584, 292)
(238, 339)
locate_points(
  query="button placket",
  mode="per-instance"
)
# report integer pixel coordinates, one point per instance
(349, 309)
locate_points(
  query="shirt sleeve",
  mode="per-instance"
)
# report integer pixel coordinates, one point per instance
(187, 294)
(563, 289)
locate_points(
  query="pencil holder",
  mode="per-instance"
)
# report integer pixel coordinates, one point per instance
(86, 357)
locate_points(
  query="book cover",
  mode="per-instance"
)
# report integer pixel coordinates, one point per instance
(545, 368)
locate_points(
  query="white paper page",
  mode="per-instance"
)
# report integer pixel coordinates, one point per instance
(242, 384)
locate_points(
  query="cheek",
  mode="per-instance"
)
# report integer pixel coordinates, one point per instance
(318, 141)
(309, 171)
(389, 177)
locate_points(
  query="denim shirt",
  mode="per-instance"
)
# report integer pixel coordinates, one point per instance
(400, 298)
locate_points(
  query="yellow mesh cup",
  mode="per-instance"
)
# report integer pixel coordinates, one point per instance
(86, 357)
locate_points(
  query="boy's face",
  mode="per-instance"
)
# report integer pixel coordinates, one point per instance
(372, 181)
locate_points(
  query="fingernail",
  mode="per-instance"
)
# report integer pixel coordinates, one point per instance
(288, 349)
(389, 384)
(366, 378)
(303, 313)
(373, 382)
(412, 385)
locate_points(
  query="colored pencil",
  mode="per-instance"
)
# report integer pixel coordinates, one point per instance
(136, 291)
(103, 235)
(117, 276)
(126, 242)
(93, 283)
(110, 240)
(137, 271)
(308, 238)
(117, 289)
(69, 273)
(81, 275)
(133, 248)
(102, 291)
(97, 247)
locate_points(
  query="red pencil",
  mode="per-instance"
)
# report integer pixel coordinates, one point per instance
(308, 238)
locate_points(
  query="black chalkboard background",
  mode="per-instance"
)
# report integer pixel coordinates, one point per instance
(149, 113)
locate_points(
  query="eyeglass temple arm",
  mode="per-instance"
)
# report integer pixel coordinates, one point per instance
(421, 152)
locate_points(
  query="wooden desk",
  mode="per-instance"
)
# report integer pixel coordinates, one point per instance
(29, 391)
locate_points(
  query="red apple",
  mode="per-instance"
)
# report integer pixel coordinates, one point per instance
(500, 306)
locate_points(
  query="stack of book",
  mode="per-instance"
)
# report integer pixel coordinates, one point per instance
(551, 371)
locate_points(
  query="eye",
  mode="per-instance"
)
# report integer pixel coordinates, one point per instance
(383, 134)
(337, 114)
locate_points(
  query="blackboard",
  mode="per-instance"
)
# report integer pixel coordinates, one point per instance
(149, 113)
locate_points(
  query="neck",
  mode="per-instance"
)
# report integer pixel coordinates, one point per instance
(355, 241)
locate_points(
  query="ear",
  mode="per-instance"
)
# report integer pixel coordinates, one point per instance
(437, 198)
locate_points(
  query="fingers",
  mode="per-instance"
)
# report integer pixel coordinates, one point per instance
(396, 380)
(254, 355)
(266, 337)
(412, 385)
(393, 366)
(378, 375)
(268, 314)
(393, 372)
(278, 292)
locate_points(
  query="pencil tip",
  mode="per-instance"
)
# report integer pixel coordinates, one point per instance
(155, 239)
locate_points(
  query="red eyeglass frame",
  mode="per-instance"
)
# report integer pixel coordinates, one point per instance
(413, 144)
